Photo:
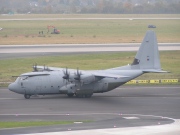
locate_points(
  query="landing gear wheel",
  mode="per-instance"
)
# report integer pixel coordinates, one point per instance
(79, 95)
(84, 95)
(27, 96)
(70, 94)
(88, 95)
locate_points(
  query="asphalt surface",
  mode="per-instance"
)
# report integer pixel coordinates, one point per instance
(130, 18)
(21, 51)
(125, 106)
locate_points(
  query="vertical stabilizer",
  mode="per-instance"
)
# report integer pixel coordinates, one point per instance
(148, 55)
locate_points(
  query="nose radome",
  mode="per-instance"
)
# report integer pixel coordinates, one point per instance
(14, 87)
(11, 87)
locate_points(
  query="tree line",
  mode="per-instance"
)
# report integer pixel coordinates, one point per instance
(90, 6)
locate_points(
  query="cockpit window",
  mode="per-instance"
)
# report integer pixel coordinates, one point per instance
(21, 78)
(17, 80)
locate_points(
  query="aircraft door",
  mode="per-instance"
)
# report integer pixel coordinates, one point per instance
(102, 86)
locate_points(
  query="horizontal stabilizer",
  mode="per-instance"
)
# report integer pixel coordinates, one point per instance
(154, 71)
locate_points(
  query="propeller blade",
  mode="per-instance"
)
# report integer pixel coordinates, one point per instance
(66, 75)
(78, 75)
(35, 67)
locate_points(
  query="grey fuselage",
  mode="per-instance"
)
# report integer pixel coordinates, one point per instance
(52, 82)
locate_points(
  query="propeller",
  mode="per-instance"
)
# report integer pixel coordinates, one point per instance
(35, 67)
(46, 68)
(78, 75)
(66, 75)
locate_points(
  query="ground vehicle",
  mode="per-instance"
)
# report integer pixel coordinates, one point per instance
(151, 26)
(55, 30)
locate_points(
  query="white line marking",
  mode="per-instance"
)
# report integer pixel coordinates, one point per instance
(131, 118)
(78, 122)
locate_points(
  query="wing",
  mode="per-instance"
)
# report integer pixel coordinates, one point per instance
(95, 73)
(32, 74)
(48, 68)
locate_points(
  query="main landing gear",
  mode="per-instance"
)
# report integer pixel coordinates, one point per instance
(26, 96)
(78, 95)
(70, 94)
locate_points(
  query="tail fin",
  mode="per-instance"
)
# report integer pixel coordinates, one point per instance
(147, 58)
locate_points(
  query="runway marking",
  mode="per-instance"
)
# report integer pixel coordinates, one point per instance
(78, 122)
(131, 118)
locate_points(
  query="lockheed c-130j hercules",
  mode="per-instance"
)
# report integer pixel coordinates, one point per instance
(50, 80)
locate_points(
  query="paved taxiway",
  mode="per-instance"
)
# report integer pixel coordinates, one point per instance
(95, 18)
(125, 106)
(80, 47)
(21, 51)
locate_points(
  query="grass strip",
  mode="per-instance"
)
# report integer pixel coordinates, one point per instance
(16, 124)
(86, 31)
(170, 61)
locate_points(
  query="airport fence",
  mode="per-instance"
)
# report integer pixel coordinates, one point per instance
(156, 81)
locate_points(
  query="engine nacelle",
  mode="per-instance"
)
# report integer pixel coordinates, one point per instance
(87, 79)
(84, 79)
(69, 88)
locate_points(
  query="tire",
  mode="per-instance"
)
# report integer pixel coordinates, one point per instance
(88, 95)
(79, 95)
(84, 95)
(70, 94)
(26, 96)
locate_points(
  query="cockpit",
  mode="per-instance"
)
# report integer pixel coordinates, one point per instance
(20, 78)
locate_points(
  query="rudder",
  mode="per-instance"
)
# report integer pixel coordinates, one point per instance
(147, 56)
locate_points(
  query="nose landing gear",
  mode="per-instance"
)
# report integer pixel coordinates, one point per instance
(70, 94)
(26, 96)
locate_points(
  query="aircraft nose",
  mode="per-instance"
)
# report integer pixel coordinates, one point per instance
(11, 87)
(14, 87)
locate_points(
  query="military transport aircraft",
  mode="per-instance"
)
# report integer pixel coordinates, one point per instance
(50, 80)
